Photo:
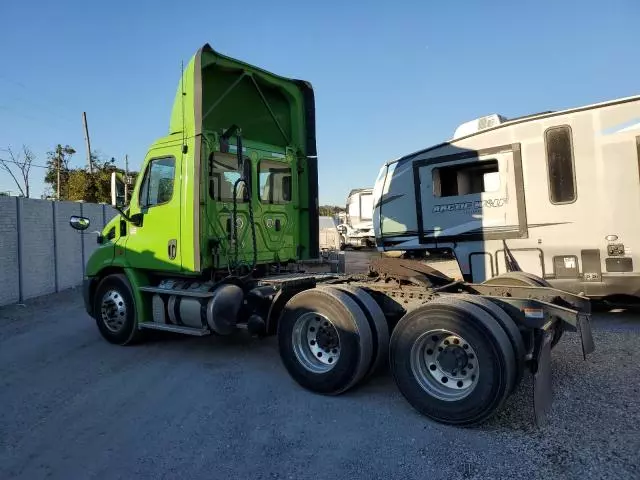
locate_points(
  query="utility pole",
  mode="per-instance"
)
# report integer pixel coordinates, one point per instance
(58, 155)
(88, 143)
(126, 179)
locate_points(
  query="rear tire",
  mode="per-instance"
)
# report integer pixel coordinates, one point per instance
(510, 328)
(429, 380)
(377, 323)
(325, 341)
(115, 310)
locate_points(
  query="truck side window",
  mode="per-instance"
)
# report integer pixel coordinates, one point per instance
(275, 182)
(157, 186)
(224, 173)
(466, 179)
(562, 188)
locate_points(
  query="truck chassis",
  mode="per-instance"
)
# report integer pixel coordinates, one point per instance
(456, 350)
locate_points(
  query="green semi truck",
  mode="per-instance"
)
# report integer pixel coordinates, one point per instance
(216, 235)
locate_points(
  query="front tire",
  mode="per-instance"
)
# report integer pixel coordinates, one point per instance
(453, 362)
(115, 311)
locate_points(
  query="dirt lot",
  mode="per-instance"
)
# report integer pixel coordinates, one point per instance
(74, 406)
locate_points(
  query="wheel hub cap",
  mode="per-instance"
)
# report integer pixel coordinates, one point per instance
(113, 310)
(445, 365)
(316, 343)
(452, 359)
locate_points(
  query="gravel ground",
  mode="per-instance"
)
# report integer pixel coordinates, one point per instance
(74, 406)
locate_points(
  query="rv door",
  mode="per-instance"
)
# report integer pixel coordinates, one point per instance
(471, 196)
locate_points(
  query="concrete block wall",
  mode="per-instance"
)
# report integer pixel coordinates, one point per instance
(39, 252)
(95, 214)
(9, 266)
(69, 267)
(37, 268)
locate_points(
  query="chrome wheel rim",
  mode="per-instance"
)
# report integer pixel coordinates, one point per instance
(445, 365)
(113, 310)
(316, 343)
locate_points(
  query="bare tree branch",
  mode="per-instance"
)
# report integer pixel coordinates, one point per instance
(25, 166)
(14, 161)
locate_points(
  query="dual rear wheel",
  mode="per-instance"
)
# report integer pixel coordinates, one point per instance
(331, 338)
(455, 359)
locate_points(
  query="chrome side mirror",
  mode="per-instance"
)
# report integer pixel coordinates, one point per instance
(79, 223)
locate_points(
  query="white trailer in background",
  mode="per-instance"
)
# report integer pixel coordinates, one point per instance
(329, 235)
(357, 231)
(560, 189)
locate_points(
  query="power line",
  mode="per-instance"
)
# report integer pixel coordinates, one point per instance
(22, 163)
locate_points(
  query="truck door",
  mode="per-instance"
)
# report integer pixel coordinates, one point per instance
(154, 244)
(471, 196)
(277, 207)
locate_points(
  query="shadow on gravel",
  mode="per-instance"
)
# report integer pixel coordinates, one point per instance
(223, 352)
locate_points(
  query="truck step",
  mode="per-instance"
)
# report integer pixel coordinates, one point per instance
(197, 332)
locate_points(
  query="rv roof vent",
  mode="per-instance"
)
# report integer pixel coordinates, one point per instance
(478, 124)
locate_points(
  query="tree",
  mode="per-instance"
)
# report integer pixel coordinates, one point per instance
(21, 162)
(80, 183)
(329, 210)
(58, 170)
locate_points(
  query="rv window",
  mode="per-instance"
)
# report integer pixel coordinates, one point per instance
(275, 182)
(224, 172)
(466, 179)
(562, 187)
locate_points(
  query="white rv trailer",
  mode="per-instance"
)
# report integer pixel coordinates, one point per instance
(357, 231)
(560, 189)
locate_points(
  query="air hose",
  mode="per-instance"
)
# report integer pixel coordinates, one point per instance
(247, 183)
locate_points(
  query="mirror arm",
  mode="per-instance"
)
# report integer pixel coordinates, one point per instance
(134, 219)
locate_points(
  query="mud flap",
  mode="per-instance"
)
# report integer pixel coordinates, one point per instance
(542, 390)
(584, 328)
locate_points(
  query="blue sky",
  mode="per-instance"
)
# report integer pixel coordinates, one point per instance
(389, 77)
